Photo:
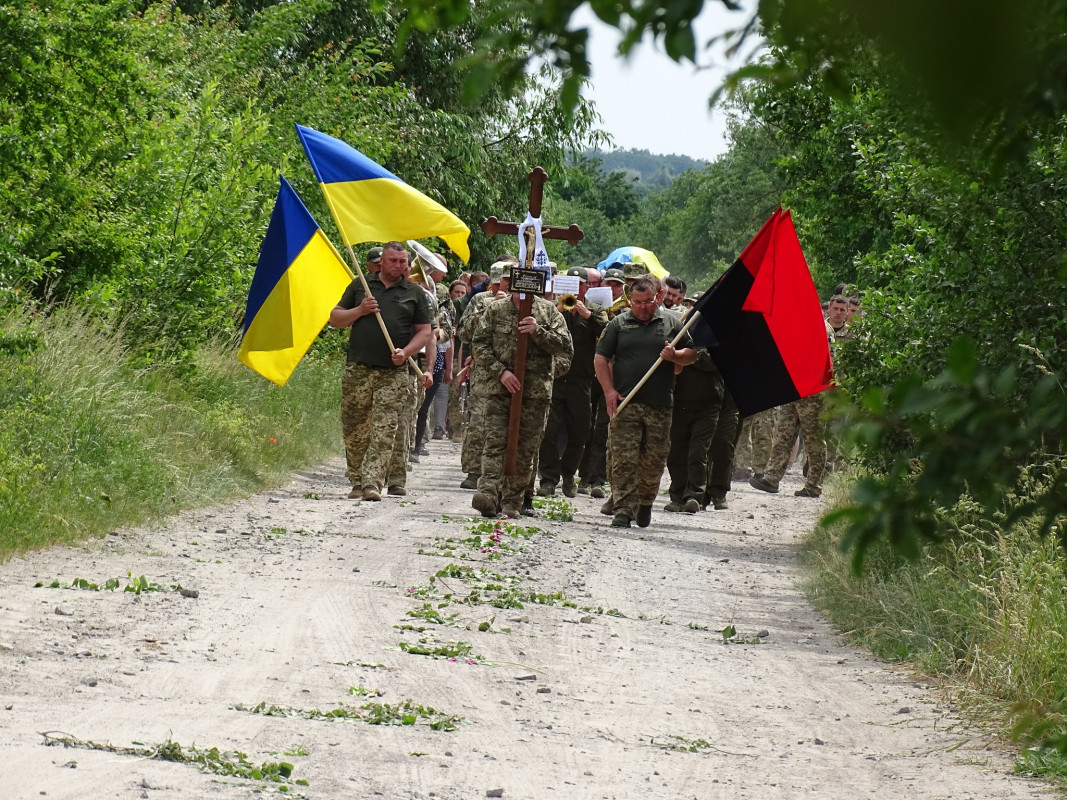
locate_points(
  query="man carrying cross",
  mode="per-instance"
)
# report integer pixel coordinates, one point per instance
(495, 342)
(524, 340)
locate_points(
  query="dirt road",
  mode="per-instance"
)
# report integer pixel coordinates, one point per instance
(677, 661)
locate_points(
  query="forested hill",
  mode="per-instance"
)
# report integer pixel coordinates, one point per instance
(649, 171)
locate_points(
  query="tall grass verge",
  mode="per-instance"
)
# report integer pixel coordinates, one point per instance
(88, 443)
(985, 610)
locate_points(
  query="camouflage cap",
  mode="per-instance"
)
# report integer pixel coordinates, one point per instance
(614, 274)
(374, 255)
(505, 269)
(581, 273)
(495, 271)
(633, 269)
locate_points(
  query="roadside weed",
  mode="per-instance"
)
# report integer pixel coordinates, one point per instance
(405, 713)
(489, 539)
(230, 763)
(555, 508)
(135, 585)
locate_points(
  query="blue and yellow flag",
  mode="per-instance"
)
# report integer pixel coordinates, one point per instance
(299, 279)
(371, 204)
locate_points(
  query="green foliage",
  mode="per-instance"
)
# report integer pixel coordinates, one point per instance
(555, 508)
(981, 607)
(89, 444)
(405, 713)
(141, 146)
(231, 763)
(647, 172)
(1004, 68)
(966, 434)
(135, 585)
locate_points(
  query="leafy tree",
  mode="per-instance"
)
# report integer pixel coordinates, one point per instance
(142, 145)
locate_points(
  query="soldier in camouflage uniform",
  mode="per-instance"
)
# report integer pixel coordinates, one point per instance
(639, 435)
(397, 475)
(375, 381)
(471, 455)
(754, 446)
(439, 361)
(804, 414)
(549, 349)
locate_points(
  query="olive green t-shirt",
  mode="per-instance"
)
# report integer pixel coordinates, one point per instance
(402, 306)
(635, 347)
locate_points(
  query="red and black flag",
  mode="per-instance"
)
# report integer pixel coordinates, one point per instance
(762, 322)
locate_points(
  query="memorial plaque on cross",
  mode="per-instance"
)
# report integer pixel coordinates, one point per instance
(492, 227)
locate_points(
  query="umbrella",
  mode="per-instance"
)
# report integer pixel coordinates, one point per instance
(636, 255)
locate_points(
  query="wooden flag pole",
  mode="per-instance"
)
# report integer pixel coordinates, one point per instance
(693, 317)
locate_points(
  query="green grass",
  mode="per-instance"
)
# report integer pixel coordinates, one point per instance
(985, 610)
(88, 443)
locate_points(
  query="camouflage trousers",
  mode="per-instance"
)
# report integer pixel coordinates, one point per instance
(470, 457)
(757, 437)
(639, 438)
(457, 421)
(372, 400)
(803, 414)
(509, 489)
(397, 474)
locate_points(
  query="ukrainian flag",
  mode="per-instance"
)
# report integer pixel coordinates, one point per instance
(371, 204)
(299, 279)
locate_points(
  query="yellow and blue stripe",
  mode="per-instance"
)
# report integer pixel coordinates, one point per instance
(299, 279)
(371, 204)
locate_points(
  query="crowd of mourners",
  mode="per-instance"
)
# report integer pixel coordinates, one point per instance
(431, 361)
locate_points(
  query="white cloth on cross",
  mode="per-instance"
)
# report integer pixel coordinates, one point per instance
(540, 257)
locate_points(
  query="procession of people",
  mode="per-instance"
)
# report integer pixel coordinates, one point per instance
(613, 391)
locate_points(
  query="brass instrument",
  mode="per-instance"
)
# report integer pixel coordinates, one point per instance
(420, 272)
(567, 302)
(621, 304)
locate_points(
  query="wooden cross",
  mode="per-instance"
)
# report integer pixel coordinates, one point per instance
(492, 227)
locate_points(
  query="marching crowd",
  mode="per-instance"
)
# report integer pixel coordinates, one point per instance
(590, 415)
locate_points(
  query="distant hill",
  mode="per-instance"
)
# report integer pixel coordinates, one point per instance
(651, 171)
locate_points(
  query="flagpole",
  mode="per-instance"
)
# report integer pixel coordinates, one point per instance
(694, 315)
(366, 286)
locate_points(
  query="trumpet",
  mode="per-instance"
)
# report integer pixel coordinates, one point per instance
(567, 302)
(621, 304)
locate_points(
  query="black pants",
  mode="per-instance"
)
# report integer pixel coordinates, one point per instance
(721, 452)
(593, 469)
(692, 432)
(420, 422)
(569, 420)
